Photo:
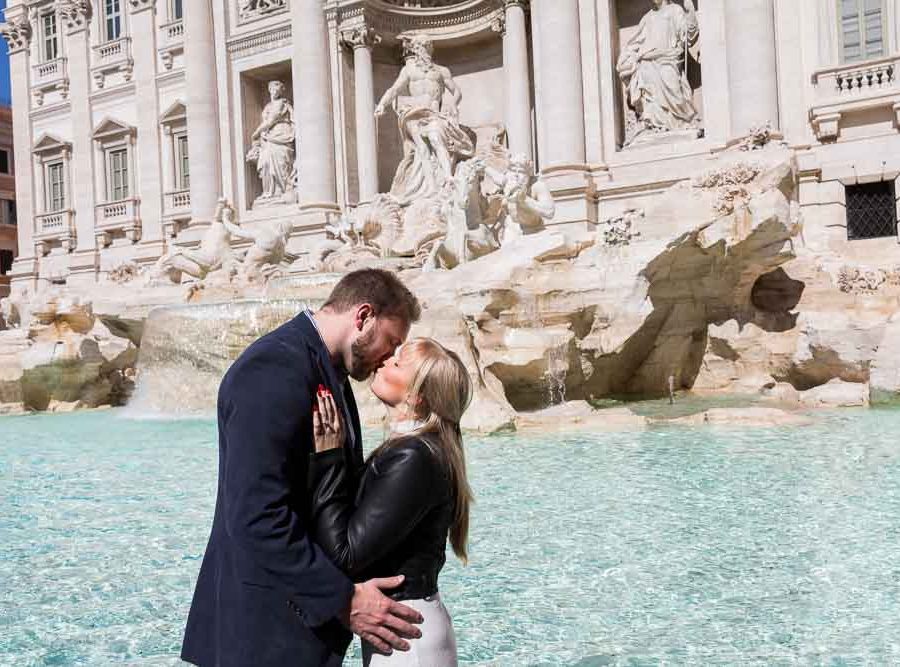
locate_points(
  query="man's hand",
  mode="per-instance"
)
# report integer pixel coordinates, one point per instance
(378, 619)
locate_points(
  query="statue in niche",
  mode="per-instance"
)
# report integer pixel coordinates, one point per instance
(273, 149)
(526, 201)
(652, 67)
(433, 140)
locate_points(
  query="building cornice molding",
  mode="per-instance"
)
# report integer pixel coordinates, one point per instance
(245, 45)
(445, 21)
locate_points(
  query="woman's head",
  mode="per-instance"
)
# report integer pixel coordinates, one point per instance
(424, 379)
(426, 382)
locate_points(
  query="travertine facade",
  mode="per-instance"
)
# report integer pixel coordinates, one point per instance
(107, 97)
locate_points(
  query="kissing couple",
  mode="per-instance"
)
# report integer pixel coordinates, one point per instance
(311, 543)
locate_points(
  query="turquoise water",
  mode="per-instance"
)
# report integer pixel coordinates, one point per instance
(674, 546)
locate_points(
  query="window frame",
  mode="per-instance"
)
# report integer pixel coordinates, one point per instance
(57, 164)
(861, 24)
(47, 39)
(114, 188)
(112, 19)
(6, 267)
(176, 10)
(182, 161)
(4, 153)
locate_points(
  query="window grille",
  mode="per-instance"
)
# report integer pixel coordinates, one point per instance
(118, 174)
(51, 44)
(113, 16)
(871, 210)
(56, 190)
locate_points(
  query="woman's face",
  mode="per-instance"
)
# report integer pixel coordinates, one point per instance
(394, 379)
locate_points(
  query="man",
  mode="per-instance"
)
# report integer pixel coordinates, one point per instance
(266, 594)
(433, 141)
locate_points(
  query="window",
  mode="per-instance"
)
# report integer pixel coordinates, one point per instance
(56, 187)
(6, 261)
(871, 210)
(113, 17)
(118, 174)
(4, 162)
(12, 215)
(862, 29)
(177, 10)
(184, 172)
(51, 43)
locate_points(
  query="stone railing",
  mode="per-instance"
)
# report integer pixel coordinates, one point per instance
(178, 201)
(852, 88)
(53, 223)
(115, 211)
(121, 215)
(873, 76)
(110, 57)
(171, 42)
(50, 71)
(113, 52)
(56, 226)
(48, 76)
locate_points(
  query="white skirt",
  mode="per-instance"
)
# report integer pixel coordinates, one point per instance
(435, 648)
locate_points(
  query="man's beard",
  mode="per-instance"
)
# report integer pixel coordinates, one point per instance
(359, 369)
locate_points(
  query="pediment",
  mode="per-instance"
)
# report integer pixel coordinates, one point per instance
(177, 113)
(110, 128)
(50, 143)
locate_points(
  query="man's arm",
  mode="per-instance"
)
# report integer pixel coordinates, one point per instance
(391, 93)
(451, 86)
(264, 407)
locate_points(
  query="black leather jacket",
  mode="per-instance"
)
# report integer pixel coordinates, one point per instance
(395, 523)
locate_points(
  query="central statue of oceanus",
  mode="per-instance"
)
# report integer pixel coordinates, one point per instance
(433, 140)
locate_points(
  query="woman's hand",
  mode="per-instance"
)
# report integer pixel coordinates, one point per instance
(328, 426)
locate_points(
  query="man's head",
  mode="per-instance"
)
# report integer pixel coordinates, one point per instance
(419, 47)
(375, 311)
(276, 90)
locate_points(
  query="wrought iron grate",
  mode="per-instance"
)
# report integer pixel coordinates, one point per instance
(871, 210)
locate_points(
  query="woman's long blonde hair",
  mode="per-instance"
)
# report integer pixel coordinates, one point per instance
(440, 392)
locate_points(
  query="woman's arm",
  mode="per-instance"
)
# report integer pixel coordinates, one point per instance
(396, 498)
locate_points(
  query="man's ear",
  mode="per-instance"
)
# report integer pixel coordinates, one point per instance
(364, 312)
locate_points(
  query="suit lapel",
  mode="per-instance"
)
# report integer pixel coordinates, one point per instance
(341, 391)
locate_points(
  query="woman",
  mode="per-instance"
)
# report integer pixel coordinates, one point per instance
(411, 494)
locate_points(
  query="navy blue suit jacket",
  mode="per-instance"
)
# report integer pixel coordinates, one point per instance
(266, 594)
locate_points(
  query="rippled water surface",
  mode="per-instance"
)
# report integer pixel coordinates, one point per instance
(675, 546)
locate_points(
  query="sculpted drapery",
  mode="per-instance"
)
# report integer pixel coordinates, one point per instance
(652, 67)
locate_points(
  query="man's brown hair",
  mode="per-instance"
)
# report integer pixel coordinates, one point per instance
(384, 291)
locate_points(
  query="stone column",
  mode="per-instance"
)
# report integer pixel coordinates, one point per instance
(361, 40)
(752, 71)
(143, 41)
(313, 106)
(202, 109)
(517, 84)
(83, 264)
(17, 33)
(562, 95)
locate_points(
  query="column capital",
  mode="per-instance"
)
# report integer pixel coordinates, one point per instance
(17, 33)
(138, 6)
(360, 37)
(498, 25)
(515, 3)
(76, 13)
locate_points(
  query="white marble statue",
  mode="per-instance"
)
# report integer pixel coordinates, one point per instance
(526, 201)
(213, 253)
(433, 140)
(652, 68)
(273, 149)
(470, 232)
(251, 8)
(268, 253)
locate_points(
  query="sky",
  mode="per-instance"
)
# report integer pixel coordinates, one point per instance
(4, 67)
